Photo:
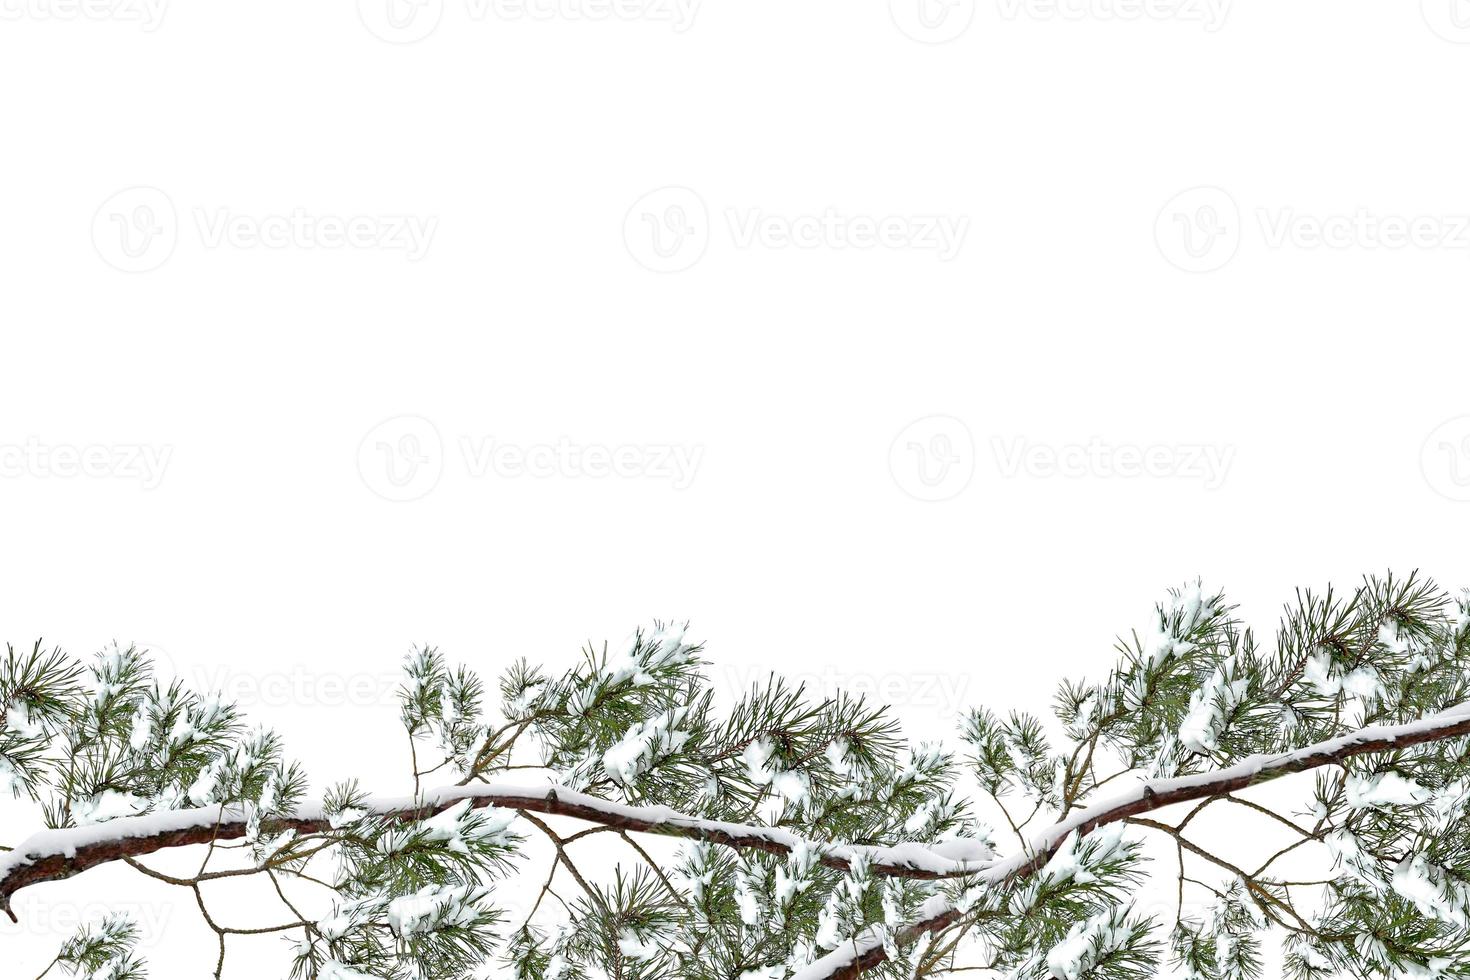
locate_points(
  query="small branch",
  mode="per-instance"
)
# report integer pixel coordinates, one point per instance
(648, 859)
(542, 894)
(561, 853)
(1273, 815)
(1264, 898)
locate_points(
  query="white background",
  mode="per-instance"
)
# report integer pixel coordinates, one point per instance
(299, 392)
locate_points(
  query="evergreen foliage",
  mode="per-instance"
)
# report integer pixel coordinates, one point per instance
(847, 837)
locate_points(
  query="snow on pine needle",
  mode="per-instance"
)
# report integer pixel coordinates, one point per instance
(613, 818)
(104, 950)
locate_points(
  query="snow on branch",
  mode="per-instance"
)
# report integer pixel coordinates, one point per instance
(52, 855)
(789, 837)
(865, 952)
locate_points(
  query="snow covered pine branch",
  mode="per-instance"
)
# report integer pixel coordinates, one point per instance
(640, 831)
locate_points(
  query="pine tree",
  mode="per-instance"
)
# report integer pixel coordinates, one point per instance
(792, 836)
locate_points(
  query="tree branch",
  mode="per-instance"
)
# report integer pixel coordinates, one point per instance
(53, 855)
(866, 951)
(59, 854)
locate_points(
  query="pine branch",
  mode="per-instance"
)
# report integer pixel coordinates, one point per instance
(817, 842)
(865, 953)
(54, 855)
(59, 854)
